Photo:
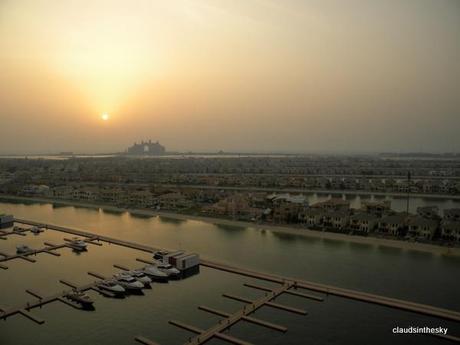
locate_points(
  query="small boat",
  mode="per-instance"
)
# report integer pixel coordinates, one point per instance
(23, 249)
(80, 297)
(128, 282)
(78, 244)
(36, 230)
(111, 286)
(169, 269)
(141, 276)
(153, 272)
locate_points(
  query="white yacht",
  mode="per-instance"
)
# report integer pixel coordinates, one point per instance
(169, 269)
(128, 282)
(153, 272)
(141, 276)
(23, 249)
(111, 286)
(78, 244)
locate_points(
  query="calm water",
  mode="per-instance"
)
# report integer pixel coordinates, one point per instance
(413, 275)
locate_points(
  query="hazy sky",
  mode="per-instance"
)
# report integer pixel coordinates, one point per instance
(249, 75)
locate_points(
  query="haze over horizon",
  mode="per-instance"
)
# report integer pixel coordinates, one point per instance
(240, 76)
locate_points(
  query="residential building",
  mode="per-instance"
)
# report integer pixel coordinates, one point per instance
(363, 222)
(378, 208)
(394, 225)
(336, 220)
(312, 217)
(452, 214)
(429, 212)
(450, 231)
(86, 193)
(421, 228)
(35, 190)
(236, 206)
(286, 208)
(62, 192)
(172, 201)
(141, 198)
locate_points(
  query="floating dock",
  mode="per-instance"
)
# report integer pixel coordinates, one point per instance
(241, 315)
(341, 292)
(49, 249)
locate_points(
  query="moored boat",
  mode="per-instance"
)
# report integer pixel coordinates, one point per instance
(36, 230)
(153, 272)
(78, 244)
(80, 297)
(111, 286)
(23, 249)
(141, 276)
(128, 282)
(169, 269)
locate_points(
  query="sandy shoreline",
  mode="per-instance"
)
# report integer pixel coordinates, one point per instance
(374, 241)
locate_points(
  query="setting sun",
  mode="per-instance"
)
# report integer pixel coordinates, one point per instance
(105, 117)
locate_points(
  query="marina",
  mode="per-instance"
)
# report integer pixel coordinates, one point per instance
(286, 285)
(331, 290)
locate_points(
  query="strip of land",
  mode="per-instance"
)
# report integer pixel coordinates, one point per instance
(282, 229)
(317, 191)
(352, 192)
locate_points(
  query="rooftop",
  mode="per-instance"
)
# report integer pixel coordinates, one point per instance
(363, 216)
(394, 219)
(420, 221)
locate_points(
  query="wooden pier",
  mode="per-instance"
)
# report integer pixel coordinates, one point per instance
(245, 318)
(145, 341)
(241, 315)
(26, 256)
(49, 249)
(200, 331)
(31, 316)
(16, 231)
(290, 292)
(42, 300)
(341, 292)
(285, 285)
(5, 313)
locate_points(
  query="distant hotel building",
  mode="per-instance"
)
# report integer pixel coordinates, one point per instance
(147, 148)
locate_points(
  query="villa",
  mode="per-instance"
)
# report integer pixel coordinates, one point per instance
(363, 222)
